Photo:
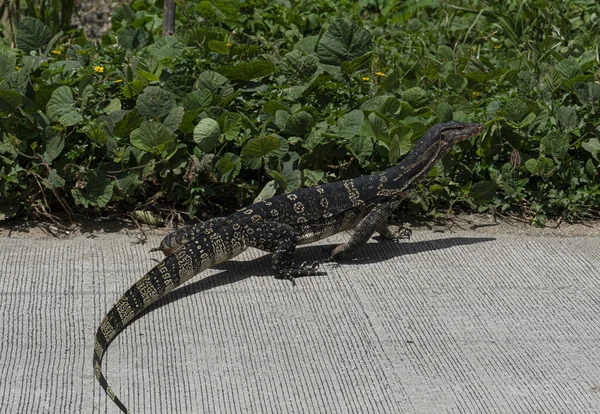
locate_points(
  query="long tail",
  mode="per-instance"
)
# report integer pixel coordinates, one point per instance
(206, 251)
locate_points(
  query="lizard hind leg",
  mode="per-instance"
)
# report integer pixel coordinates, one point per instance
(375, 221)
(285, 266)
(281, 240)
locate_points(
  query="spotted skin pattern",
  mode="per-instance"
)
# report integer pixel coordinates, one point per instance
(277, 225)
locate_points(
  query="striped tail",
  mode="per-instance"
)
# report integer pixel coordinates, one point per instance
(206, 251)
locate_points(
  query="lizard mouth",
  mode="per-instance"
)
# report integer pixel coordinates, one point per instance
(469, 130)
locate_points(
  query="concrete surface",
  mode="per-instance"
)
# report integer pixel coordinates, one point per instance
(466, 322)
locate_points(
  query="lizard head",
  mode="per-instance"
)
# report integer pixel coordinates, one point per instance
(440, 138)
(452, 132)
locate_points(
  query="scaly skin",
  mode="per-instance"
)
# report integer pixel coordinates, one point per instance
(279, 224)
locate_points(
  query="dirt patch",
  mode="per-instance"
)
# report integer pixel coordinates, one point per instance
(472, 223)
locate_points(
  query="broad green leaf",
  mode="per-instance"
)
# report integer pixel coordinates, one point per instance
(525, 122)
(128, 123)
(231, 124)
(55, 180)
(268, 191)
(436, 188)
(592, 146)
(113, 106)
(155, 102)
(418, 130)
(219, 47)
(197, 99)
(416, 97)
(61, 107)
(567, 118)
(206, 10)
(391, 82)
(279, 179)
(149, 68)
(299, 124)
(390, 106)
(32, 34)
(296, 66)
(375, 103)
(590, 168)
(587, 93)
(229, 166)
(541, 166)
(456, 81)
(281, 118)
(483, 192)
(134, 87)
(380, 128)
(556, 143)
(293, 178)
(54, 144)
(568, 68)
(95, 132)
(444, 112)
(349, 67)
(521, 113)
(216, 83)
(174, 118)
(343, 41)
(445, 53)
(248, 70)
(361, 147)
(166, 47)
(400, 142)
(349, 124)
(8, 62)
(152, 137)
(261, 146)
(8, 152)
(97, 192)
(206, 134)
(307, 44)
(272, 107)
(9, 101)
(312, 177)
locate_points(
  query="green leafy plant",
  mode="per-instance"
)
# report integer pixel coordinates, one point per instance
(251, 99)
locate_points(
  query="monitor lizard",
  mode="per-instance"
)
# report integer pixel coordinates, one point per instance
(279, 224)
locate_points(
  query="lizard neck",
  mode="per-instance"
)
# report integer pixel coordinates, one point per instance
(412, 169)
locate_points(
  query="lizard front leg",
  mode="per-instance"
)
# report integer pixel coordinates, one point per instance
(374, 221)
(281, 240)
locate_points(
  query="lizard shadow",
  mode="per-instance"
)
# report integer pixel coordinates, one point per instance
(237, 270)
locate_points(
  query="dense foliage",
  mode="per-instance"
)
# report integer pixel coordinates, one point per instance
(253, 98)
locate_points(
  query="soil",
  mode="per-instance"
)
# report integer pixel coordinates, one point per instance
(473, 223)
(94, 16)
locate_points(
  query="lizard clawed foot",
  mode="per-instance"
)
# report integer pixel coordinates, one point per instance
(305, 269)
(403, 233)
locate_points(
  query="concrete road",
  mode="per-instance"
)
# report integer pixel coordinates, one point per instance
(467, 322)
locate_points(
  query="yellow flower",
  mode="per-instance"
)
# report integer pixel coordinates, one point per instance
(17, 68)
(380, 73)
(118, 80)
(229, 44)
(55, 52)
(99, 69)
(366, 78)
(475, 94)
